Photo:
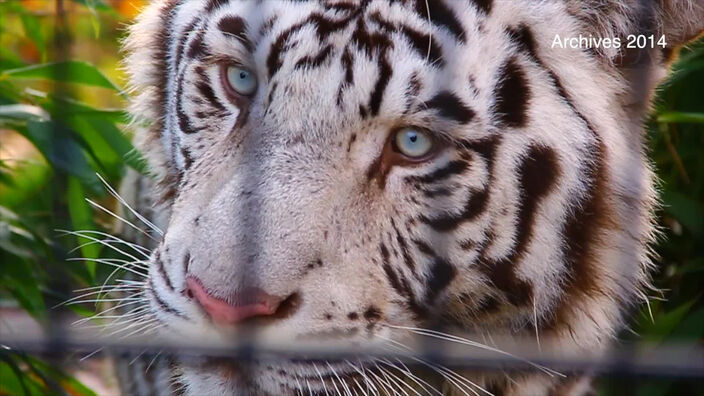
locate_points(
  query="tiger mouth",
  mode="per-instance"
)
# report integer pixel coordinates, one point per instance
(299, 373)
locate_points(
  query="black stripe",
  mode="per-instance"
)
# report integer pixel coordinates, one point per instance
(273, 60)
(512, 96)
(438, 192)
(474, 206)
(483, 5)
(450, 106)
(311, 62)
(162, 304)
(162, 271)
(214, 4)
(204, 88)
(385, 72)
(236, 27)
(442, 16)
(400, 284)
(441, 272)
(324, 27)
(407, 259)
(537, 174)
(441, 275)
(197, 48)
(184, 123)
(523, 37)
(370, 43)
(161, 54)
(184, 39)
(421, 42)
(412, 92)
(452, 168)
(187, 158)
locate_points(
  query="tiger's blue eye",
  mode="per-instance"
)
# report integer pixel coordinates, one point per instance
(413, 142)
(241, 80)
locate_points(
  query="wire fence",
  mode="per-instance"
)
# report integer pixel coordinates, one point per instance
(459, 351)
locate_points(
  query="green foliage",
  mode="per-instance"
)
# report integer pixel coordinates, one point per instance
(51, 102)
(46, 192)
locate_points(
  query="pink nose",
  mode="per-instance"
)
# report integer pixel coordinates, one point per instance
(234, 308)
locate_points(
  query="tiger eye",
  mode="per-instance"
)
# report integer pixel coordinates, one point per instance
(241, 80)
(413, 143)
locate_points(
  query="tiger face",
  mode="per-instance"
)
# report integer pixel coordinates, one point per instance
(348, 170)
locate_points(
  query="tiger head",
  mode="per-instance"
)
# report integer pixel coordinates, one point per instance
(357, 170)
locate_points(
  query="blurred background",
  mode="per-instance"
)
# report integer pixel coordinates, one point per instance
(62, 121)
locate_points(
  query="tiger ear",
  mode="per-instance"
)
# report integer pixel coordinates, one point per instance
(681, 20)
(678, 21)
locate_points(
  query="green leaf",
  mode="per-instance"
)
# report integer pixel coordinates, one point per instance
(96, 129)
(686, 210)
(666, 323)
(55, 143)
(12, 380)
(61, 108)
(68, 383)
(17, 279)
(33, 30)
(674, 116)
(82, 219)
(98, 5)
(9, 60)
(69, 71)
(23, 112)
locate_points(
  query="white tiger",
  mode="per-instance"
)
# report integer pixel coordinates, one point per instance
(355, 169)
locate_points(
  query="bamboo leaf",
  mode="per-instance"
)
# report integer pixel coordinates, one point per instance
(77, 72)
(674, 116)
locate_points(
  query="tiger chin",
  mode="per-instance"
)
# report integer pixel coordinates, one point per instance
(364, 170)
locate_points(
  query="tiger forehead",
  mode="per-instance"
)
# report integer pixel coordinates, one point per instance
(400, 41)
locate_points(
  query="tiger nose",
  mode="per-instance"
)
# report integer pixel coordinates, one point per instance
(236, 307)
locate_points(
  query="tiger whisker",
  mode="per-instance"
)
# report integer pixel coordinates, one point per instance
(125, 204)
(445, 372)
(374, 388)
(102, 300)
(298, 384)
(135, 358)
(100, 241)
(358, 386)
(90, 354)
(117, 322)
(388, 381)
(535, 324)
(152, 361)
(112, 238)
(101, 314)
(460, 340)
(364, 376)
(421, 382)
(447, 377)
(112, 261)
(380, 382)
(322, 381)
(396, 380)
(123, 283)
(310, 391)
(119, 266)
(118, 217)
(136, 322)
(98, 292)
(334, 372)
(334, 383)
